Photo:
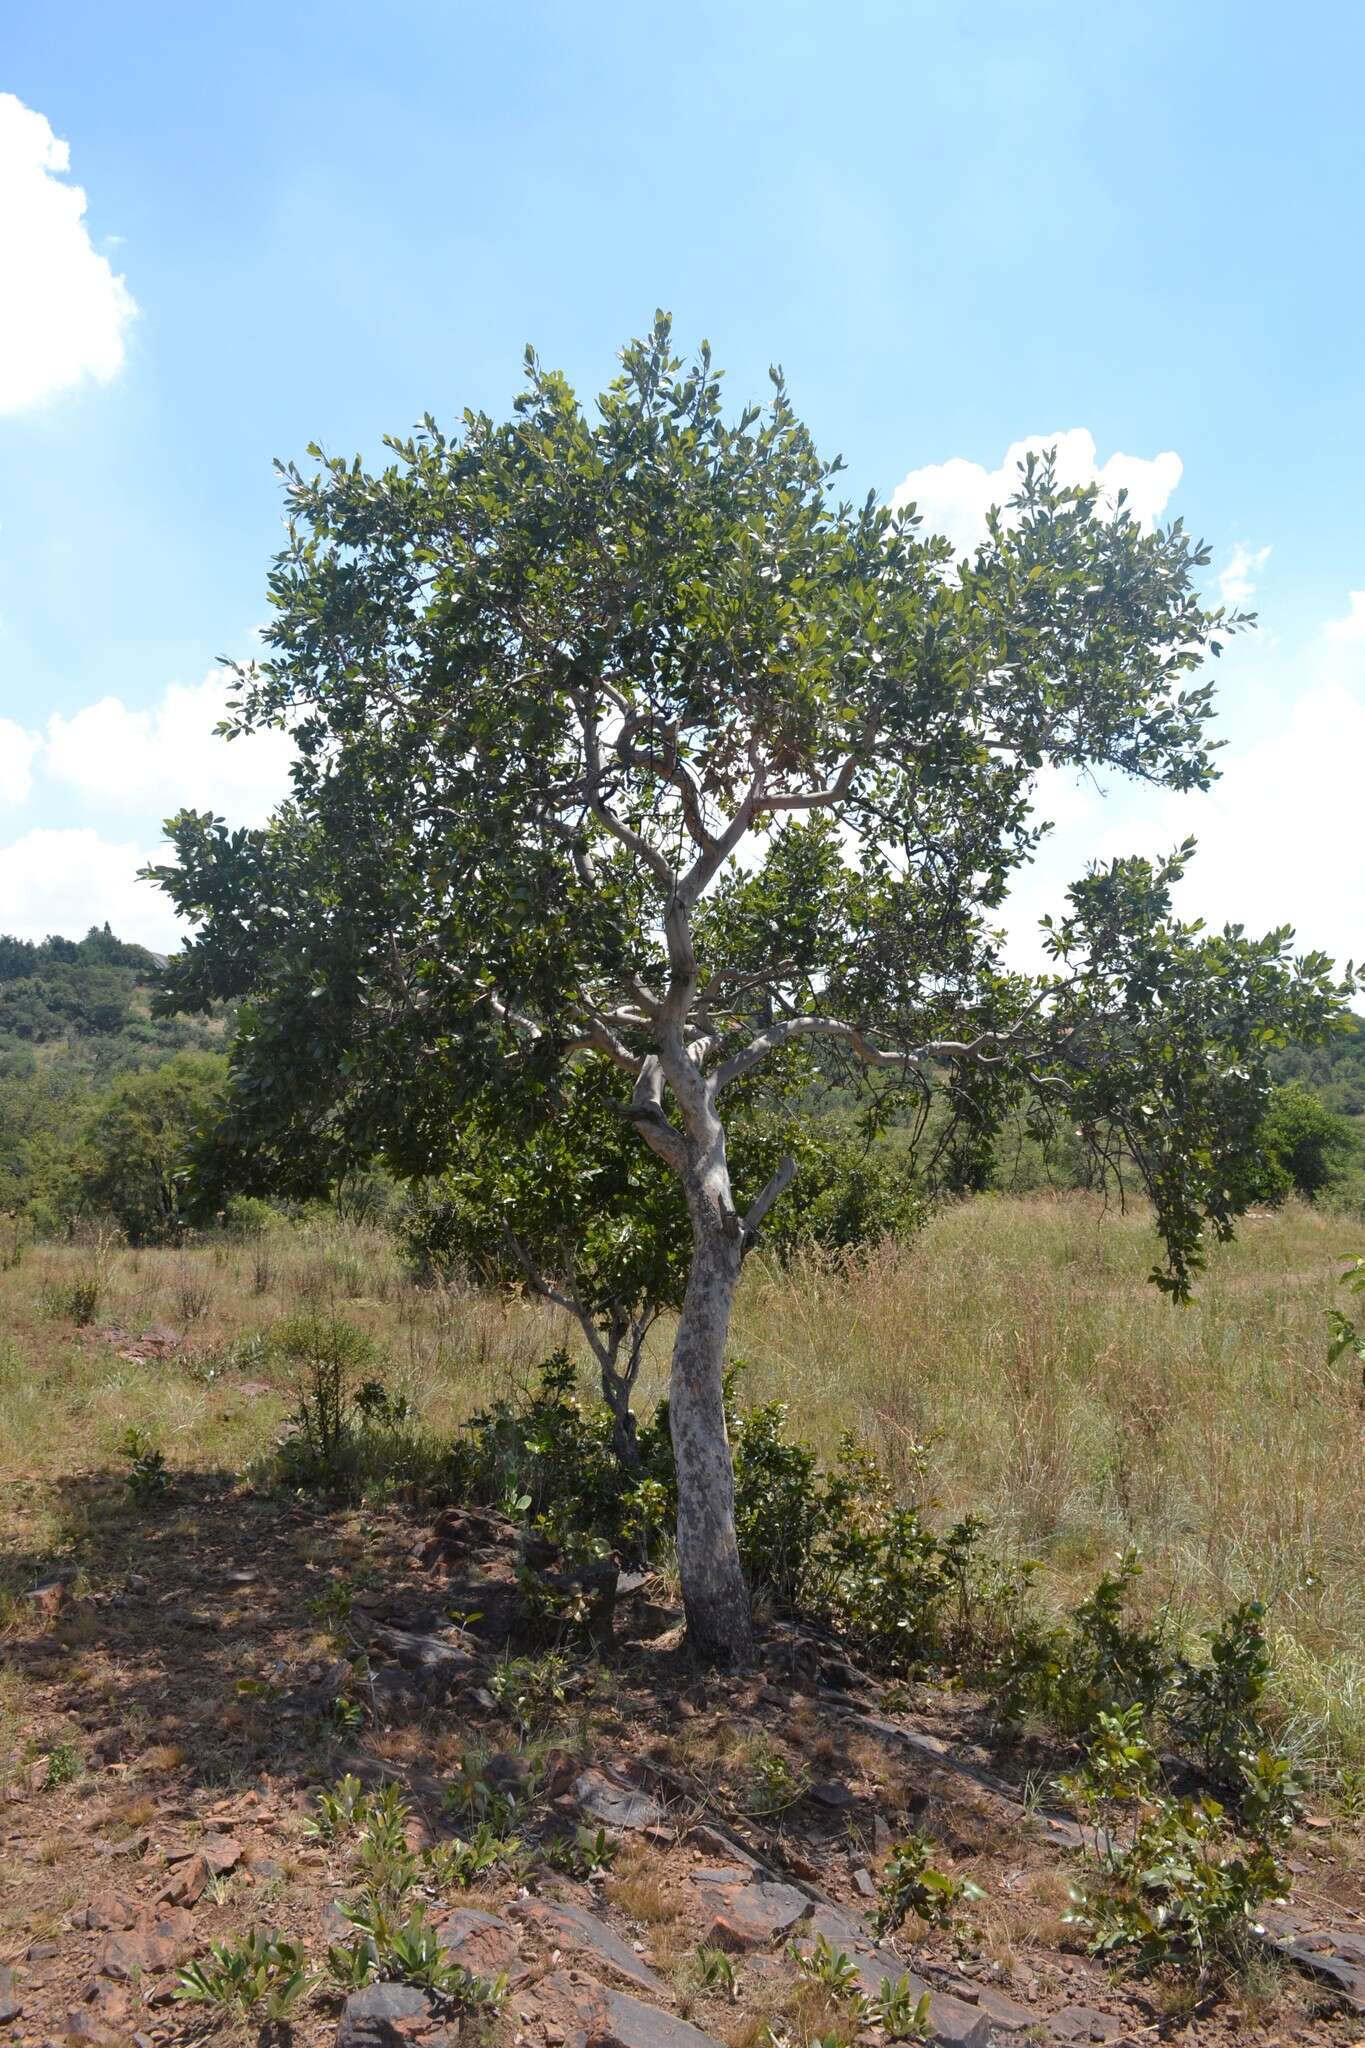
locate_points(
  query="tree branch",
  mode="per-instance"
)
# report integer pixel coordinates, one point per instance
(794, 1028)
(780, 1182)
(633, 841)
(646, 1111)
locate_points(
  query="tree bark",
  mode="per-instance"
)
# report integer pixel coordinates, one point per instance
(715, 1594)
(616, 1391)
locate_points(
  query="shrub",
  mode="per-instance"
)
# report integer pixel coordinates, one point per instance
(549, 1459)
(350, 1434)
(910, 1883)
(262, 1971)
(147, 1478)
(76, 1299)
(1182, 1894)
(410, 1952)
(1101, 1661)
(1304, 1145)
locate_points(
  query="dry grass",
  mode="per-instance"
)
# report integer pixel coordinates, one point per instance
(1053, 1389)
(1017, 1341)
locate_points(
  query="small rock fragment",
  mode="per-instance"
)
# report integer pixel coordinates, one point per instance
(831, 1793)
(186, 1885)
(615, 1806)
(107, 1912)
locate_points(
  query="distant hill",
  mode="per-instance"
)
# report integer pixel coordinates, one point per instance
(1335, 1071)
(85, 1004)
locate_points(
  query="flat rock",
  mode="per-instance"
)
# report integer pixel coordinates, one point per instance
(480, 1942)
(221, 1852)
(572, 1927)
(151, 1944)
(1083, 2023)
(615, 1806)
(9, 1998)
(831, 1793)
(755, 1909)
(704, 1836)
(372, 2018)
(431, 1656)
(108, 1912)
(592, 2016)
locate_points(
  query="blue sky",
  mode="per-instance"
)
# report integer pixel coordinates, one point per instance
(959, 229)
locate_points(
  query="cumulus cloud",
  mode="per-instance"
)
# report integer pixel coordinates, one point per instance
(954, 497)
(169, 757)
(1241, 572)
(109, 761)
(1278, 834)
(17, 749)
(65, 880)
(1350, 630)
(66, 312)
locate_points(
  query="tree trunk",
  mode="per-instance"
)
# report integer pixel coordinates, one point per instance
(616, 1392)
(715, 1595)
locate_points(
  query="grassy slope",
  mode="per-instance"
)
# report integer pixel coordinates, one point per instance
(1018, 1339)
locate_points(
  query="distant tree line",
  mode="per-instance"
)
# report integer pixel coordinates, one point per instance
(107, 1110)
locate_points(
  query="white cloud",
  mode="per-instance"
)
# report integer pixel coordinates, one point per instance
(66, 314)
(1279, 833)
(1343, 632)
(955, 496)
(17, 749)
(169, 757)
(1239, 575)
(66, 880)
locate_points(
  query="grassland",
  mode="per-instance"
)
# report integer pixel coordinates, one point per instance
(1012, 1360)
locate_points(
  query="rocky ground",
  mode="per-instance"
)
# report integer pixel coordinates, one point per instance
(169, 1706)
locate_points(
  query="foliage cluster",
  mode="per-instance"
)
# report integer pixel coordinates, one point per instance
(1178, 1881)
(84, 1125)
(837, 1546)
(350, 1433)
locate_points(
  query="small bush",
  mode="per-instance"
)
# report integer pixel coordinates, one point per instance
(409, 1951)
(261, 1972)
(910, 1883)
(64, 1765)
(350, 1434)
(147, 1478)
(459, 1864)
(1182, 1895)
(74, 1300)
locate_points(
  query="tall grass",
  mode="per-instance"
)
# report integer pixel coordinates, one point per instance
(1056, 1391)
(1017, 1340)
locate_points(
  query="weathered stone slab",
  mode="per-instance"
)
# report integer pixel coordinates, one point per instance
(592, 2016)
(1083, 2023)
(572, 1927)
(753, 1910)
(480, 1942)
(152, 1944)
(373, 2018)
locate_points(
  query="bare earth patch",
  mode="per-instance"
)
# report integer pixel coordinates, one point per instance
(169, 1714)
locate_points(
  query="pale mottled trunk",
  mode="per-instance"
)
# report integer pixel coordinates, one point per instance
(715, 1595)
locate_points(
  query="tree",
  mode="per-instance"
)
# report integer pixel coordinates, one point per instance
(134, 1158)
(575, 1211)
(1304, 1145)
(622, 739)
